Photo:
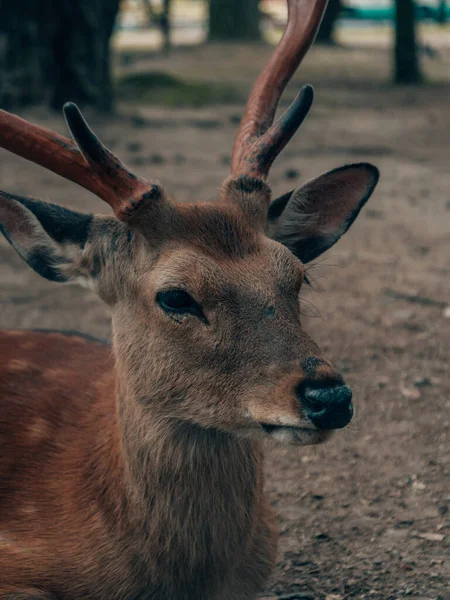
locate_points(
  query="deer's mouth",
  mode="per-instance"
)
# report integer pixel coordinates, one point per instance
(301, 436)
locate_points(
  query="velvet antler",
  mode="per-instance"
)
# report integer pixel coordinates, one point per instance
(258, 142)
(88, 162)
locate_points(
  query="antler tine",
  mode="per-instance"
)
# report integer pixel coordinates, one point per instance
(258, 142)
(91, 165)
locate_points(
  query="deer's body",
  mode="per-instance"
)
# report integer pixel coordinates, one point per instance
(135, 473)
(181, 516)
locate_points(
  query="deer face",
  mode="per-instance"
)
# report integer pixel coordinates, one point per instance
(206, 299)
(221, 328)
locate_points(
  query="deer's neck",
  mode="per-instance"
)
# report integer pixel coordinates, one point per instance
(191, 494)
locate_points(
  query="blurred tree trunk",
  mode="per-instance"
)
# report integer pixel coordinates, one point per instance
(442, 12)
(165, 25)
(151, 14)
(407, 67)
(52, 52)
(234, 20)
(325, 34)
(161, 19)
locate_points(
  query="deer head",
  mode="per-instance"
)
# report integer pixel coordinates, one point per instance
(204, 296)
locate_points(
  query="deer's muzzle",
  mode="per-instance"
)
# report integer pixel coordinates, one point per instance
(327, 407)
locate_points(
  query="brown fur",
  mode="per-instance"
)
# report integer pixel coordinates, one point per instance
(145, 480)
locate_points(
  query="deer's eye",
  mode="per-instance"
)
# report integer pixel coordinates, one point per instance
(180, 302)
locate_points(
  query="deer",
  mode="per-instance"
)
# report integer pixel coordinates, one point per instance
(135, 471)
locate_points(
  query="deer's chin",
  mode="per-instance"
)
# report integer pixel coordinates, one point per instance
(298, 436)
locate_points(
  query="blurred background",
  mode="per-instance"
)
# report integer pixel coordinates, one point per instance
(93, 50)
(164, 83)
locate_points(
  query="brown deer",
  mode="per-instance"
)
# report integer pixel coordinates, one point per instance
(140, 478)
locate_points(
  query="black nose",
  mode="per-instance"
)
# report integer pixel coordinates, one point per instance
(328, 407)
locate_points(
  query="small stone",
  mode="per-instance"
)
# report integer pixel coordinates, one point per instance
(431, 537)
(422, 382)
(410, 393)
(446, 312)
(418, 485)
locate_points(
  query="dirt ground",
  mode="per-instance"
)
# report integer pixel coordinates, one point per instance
(367, 515)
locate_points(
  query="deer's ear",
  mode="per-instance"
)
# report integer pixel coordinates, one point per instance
(313, 217)
(49, 238)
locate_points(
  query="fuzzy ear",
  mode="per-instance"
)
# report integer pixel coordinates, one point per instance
(313, 217)
(49, 238)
